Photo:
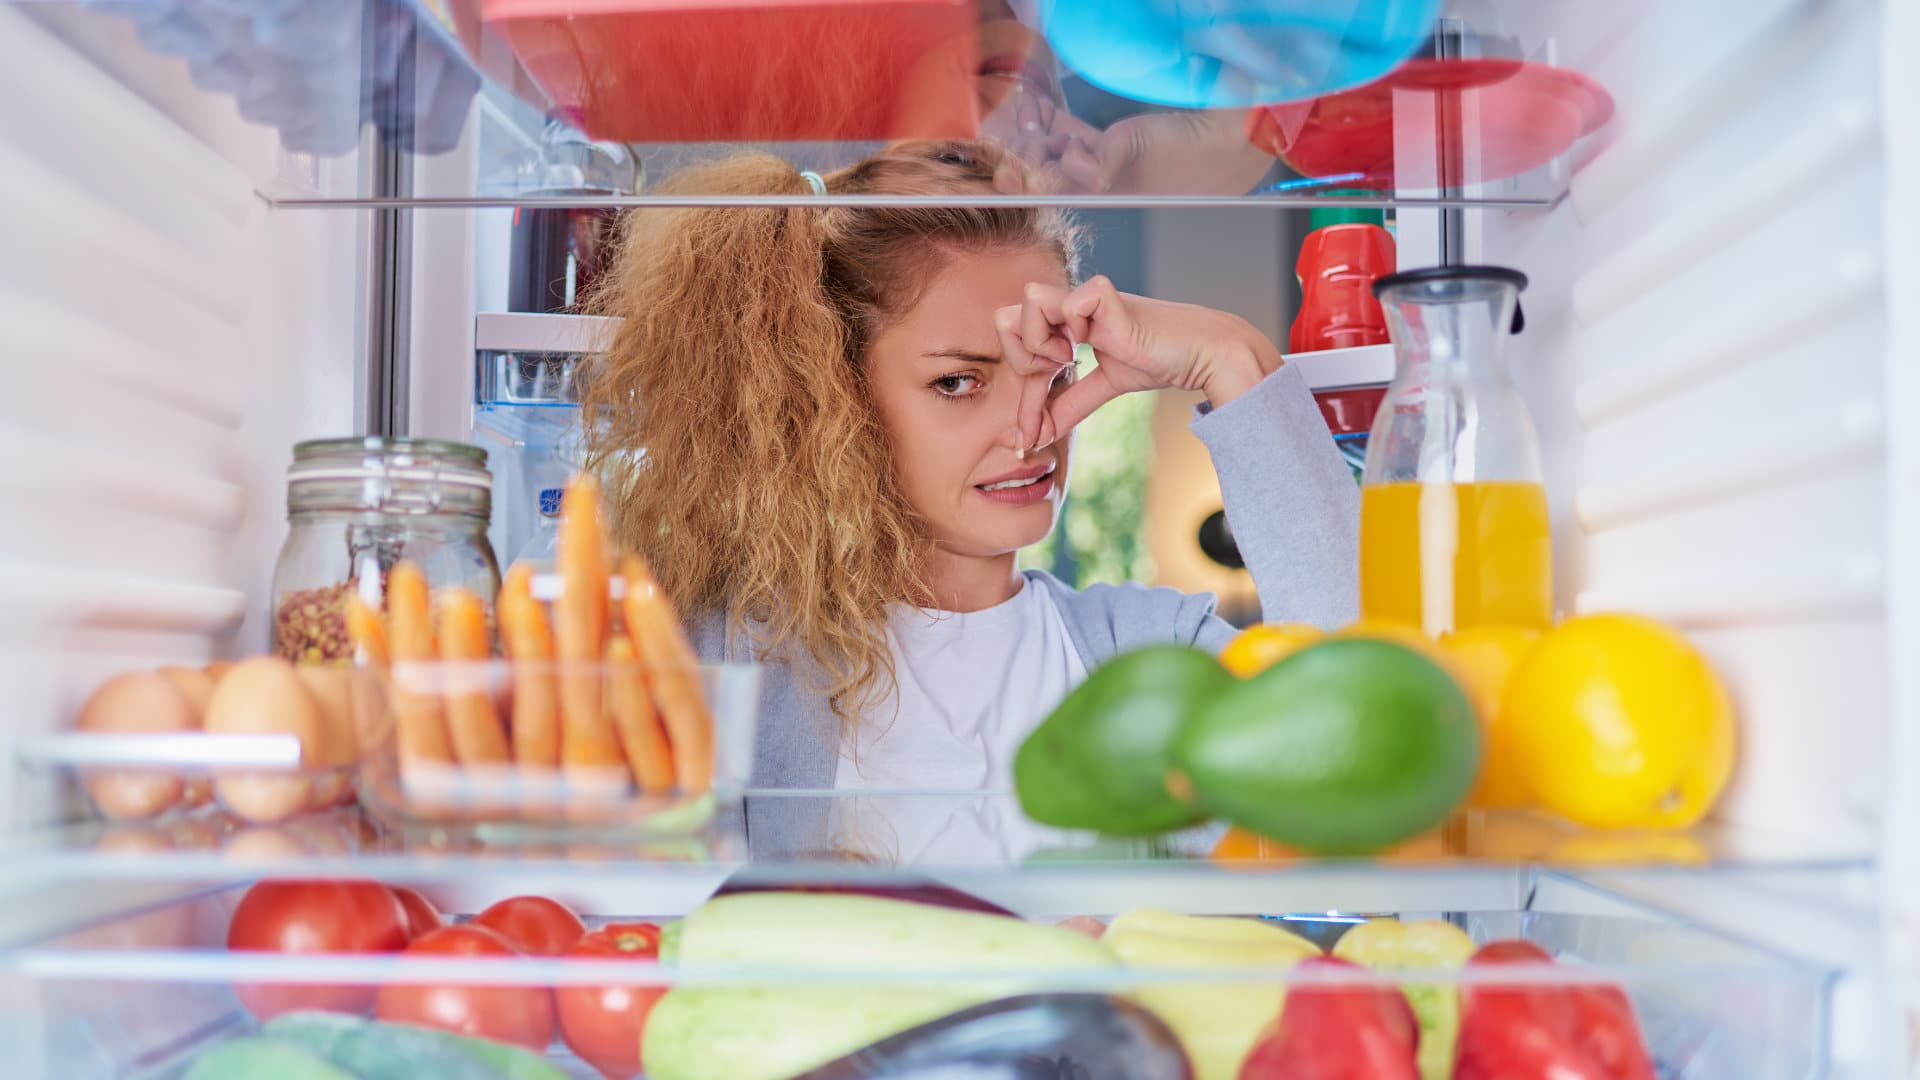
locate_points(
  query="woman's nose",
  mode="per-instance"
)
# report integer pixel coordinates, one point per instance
(1029, 427)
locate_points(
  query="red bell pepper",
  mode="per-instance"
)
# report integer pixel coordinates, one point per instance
(1545, 1032)
(1338, 1032)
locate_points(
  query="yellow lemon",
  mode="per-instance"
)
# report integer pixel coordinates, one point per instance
(1263, 645)
(1485, 658)
(1634, 847)
(1617, 721)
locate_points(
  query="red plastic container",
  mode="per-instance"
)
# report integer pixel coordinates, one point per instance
(1524, 115)
(777, 70)
(1337, 266)
(1350, 411)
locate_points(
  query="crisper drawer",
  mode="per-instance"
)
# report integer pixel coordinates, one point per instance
(774, 984)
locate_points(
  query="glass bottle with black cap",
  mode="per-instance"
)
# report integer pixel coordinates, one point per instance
(1453, 513)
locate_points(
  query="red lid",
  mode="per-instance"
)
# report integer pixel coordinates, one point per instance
(1526, 115)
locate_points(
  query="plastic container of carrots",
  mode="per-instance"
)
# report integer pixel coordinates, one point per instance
(588, 712)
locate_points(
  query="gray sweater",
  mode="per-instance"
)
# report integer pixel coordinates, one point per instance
(1295, 513)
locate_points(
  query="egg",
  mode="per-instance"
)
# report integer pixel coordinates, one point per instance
(265, 843)
(332, 690)
(133, 840)
(372, 723)
(198, 832)
(135, 702)
(196, 685)
(266, 696)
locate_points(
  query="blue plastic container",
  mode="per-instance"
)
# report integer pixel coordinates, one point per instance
(1218, 54)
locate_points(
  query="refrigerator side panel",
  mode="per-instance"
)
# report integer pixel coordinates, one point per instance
(1901, 130)
(166, 338)
(1706, 353)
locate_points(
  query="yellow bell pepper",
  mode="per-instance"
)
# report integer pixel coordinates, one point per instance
(1391, 945)
(1217, 1023)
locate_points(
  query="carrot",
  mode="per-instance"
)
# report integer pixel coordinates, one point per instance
(477, 736)
(366, 630)
(588, 746)
(416, 704)
(635, 719)
(528, 640)
(675, 675)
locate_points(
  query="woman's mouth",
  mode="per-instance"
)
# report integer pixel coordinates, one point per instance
(1022, 488)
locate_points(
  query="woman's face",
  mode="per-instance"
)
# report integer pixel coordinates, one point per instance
(950, 407)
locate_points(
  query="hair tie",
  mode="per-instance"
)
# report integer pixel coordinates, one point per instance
(814, 181)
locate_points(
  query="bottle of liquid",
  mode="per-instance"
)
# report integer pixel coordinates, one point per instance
(1453, 515)
(544, 546)
(1347, 249)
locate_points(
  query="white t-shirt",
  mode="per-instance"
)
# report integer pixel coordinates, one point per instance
(971, 686)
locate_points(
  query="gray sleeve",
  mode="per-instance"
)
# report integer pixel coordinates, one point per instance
(1291, 501)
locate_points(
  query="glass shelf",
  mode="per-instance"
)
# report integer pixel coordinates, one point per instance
(529, 103)
(812, 836)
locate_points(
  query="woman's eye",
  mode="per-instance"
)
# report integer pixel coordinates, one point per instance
(956, 385)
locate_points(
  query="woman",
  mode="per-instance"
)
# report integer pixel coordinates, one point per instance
(854, 417)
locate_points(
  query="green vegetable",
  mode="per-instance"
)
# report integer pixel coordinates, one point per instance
(670, 941)
(374, 1051)
(1391, 945)
(772, 1032)
(1100, 760)
(775, 1032)
(255, 1057)
(1345, 747)
(510, 1061)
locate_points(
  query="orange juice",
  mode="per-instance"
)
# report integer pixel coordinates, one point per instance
(1449, 556)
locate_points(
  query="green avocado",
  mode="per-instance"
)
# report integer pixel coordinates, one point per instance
(1343, 748)
(1099, 761)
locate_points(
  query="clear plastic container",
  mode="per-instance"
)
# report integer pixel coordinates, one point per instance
(1453, 512)
(358, 506)
(149, 992)
(531, 784)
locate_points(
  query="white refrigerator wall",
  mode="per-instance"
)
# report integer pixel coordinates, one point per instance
(1706, 351)
(168, 337)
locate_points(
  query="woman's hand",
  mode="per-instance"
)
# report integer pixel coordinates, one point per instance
(1141, 344)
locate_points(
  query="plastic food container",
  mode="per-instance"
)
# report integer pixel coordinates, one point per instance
(1226, 53)
(526, 795)
(1525, 115)
(713, 71)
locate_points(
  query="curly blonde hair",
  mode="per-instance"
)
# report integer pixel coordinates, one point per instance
(764, 486)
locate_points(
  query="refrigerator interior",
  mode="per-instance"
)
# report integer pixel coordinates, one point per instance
(1723, 294)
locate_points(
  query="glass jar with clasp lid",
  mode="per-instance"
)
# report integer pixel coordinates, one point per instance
(357, 506)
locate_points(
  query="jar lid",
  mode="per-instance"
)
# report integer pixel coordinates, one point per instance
(392, 458)
(389, 475)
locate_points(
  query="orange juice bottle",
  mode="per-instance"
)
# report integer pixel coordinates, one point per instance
(1453, 515)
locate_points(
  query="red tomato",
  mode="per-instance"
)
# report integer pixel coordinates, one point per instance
(515, 1014)
(314, 917)
(603, 1023)
(422, 916)
(536, 925)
